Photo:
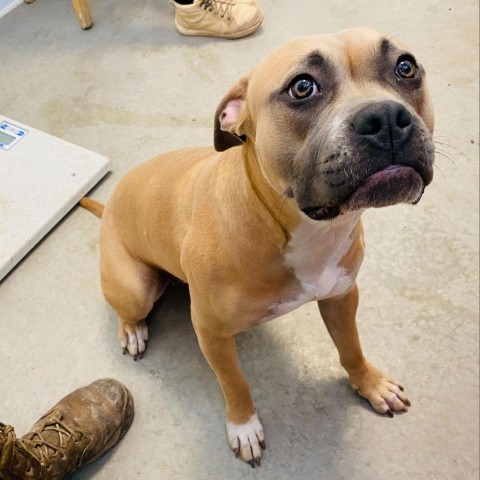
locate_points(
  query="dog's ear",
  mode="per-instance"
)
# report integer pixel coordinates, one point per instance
(230, 117)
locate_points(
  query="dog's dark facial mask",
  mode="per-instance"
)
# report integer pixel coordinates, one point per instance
(380, 154)
(359, 152)
(344, 131)
(365, 162)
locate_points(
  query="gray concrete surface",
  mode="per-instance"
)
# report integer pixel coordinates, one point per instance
(132, 87)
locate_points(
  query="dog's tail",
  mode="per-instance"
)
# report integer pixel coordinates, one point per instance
(92, 206)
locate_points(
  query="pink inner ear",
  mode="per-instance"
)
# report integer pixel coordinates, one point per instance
(229, 116)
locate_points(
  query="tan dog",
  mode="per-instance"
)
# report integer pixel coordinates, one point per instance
(328, 126)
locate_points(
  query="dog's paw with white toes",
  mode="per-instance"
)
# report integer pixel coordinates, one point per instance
(133, 337)
(247, 440)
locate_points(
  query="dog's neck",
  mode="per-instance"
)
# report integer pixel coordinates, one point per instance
(281, 208)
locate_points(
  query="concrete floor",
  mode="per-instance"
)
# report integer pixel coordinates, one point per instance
(132, 87)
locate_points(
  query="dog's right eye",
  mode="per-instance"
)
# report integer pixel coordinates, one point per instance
(302, 87)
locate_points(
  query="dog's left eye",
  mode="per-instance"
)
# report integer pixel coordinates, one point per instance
(406, 68)
(303, 87)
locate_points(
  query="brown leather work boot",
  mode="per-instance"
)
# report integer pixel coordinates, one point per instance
(218, 18)
(75, 432)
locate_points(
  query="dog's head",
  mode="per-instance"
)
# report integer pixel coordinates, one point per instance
(338, 122)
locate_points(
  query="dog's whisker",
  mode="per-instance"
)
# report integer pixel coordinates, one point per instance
(444, 155)
(448, 146)
(279, 198)
(283, 204)
(437, 167)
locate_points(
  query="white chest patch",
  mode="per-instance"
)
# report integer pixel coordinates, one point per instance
(314, 253)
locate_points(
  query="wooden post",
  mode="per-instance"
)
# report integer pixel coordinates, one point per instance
(84, 16)
(82, 10)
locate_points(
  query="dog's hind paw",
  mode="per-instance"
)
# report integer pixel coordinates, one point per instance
(247, 440)
(133, 337)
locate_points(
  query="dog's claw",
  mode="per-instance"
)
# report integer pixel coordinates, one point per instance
(251, 463)
(389, 413)
(124, 351)
(257, 461)
(407, 402)
(262, 444)
(400, 387)
(237, 450)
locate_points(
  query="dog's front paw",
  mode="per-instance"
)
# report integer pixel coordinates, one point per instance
(133, 337)
(385, 395)
(247, 440)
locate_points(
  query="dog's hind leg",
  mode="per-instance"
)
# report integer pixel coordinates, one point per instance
(131, 288)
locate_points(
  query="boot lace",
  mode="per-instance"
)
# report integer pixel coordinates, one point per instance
(218, 7)
(6, 451)
(34, 447)
(45, 449)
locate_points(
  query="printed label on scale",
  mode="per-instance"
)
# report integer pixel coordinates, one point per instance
(10, 135)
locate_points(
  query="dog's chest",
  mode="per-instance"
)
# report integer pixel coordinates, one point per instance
(314, 254)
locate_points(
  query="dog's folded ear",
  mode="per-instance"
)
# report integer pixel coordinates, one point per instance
(230, 117)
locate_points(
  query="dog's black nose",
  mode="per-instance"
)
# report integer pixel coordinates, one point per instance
(384, 124)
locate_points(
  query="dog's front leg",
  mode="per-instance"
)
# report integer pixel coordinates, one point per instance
(384, 394)
(244, 430)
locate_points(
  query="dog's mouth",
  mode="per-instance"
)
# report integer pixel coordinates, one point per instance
(322, 213)
(389, 186)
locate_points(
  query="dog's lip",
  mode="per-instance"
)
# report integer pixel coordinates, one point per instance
(393, 184)
(396, 166)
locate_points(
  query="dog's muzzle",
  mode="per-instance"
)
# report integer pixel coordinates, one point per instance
(386, 165)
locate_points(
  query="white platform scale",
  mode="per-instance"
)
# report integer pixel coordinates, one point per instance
(42, 177)
(7, 5)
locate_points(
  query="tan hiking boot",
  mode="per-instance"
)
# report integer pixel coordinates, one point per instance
(218, 18)
(75, 432)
